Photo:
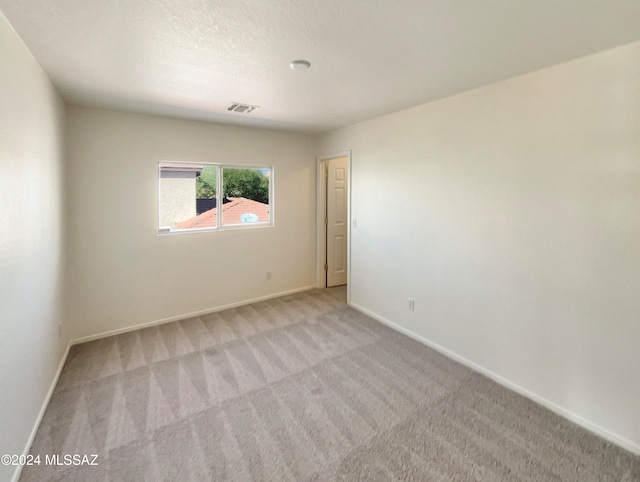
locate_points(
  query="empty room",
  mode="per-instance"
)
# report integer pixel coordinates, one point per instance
(298, 240)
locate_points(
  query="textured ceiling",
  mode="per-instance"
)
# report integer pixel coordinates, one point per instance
(191, 58)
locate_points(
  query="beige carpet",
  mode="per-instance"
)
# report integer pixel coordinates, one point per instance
(300, 388)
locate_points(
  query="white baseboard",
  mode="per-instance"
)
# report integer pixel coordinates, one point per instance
(43, 409)
(554, 407)
(189, 315)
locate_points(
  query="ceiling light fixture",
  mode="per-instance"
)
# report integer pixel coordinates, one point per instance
(300, 64)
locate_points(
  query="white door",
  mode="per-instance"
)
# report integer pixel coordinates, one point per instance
(337, 184)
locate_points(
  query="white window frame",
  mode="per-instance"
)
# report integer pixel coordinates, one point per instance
(162, 231)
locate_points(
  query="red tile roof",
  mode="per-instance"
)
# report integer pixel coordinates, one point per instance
(231, 212)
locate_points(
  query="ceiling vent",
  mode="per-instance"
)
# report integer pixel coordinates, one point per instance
(241, 108)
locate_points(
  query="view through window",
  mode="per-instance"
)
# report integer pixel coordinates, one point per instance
(197, 197)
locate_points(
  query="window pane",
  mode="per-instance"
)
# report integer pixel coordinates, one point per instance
(246, 196)
(187, 196)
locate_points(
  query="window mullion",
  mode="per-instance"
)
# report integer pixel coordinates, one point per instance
(219, 197)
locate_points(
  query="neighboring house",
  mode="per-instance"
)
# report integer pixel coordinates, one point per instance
(177, 189)
(236, 211)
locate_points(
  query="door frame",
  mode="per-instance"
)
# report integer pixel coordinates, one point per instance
(321, 228)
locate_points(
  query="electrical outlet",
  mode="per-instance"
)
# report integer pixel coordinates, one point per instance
(268, 274)
(411, 304)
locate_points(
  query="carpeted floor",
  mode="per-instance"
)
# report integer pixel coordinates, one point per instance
(300, 388)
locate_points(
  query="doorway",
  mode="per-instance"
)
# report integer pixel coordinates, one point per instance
(334, 180)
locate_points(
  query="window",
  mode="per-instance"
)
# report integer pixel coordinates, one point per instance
(189, 200)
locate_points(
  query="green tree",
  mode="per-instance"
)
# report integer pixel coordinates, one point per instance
(247, 183)
(206, 183)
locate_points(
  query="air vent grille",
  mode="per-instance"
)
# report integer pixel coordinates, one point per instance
(241, 108)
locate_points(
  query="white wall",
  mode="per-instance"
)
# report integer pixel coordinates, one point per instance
(511, 214)
(122, 274)
(31, 247)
